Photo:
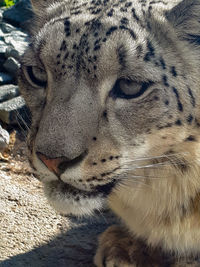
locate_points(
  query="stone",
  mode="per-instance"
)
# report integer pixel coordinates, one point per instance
(7, 28)
(11, 65)
(12, 52)
(8, 92)
(2, 60)
(1, 13)
(4, 138)
(19, 13)
(17, 40)
(5, 78)
(1, 33)
(14, 112)
(3, 48)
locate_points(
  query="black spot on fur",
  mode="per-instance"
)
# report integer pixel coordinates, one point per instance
(111, 30)
(178, 123)
(124, 21)
(97, 47)
(110, 13)
(165, 80)
(173, 71)
(193, 102)
(162, 62)
(180, 106)
(75, 47)
(131, 32)
(97, 11)
(66, 55)
(76, 12)
(139, 50)
(105, 114)
(123, 9)
(63, 46)
(134, 15)
(190, 138)
(128, 4)
(67, 27)
(151, 51)
(121, 56)
(96, 25)
(168, 125)
(190, 119)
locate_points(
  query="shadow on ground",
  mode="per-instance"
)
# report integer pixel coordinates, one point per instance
(74, 248)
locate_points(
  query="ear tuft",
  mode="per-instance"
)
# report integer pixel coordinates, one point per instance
(185, 18)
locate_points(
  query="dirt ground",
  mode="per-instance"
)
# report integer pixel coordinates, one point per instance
(31, 232)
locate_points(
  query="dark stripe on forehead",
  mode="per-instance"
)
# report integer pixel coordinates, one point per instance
(180, 106)
(121, 52)
(193, 102)
(131, 32)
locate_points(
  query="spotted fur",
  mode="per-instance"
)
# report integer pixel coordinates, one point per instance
(113, 89)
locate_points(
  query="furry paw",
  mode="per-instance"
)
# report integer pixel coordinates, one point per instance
(115, 244)
(118, 248)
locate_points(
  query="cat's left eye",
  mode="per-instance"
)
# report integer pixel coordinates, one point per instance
(128, 89)
(36, 76)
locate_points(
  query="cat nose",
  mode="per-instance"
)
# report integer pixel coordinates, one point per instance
(51, 164)
(60, 164)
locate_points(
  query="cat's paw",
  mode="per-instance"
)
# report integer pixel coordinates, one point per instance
(115, 247)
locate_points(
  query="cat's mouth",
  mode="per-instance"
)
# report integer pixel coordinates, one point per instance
(68, 189)
(68, 199)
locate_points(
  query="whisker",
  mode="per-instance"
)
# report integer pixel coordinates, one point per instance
(155, 165)
(147, 176)
(22, 129)
(27, 114)
(157, 157)
(21, 118)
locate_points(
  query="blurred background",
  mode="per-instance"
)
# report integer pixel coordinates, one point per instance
(8, 3)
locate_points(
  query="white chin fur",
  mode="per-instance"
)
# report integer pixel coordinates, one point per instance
(67, 203)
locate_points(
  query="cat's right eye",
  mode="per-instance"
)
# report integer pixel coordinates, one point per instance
(36, 76)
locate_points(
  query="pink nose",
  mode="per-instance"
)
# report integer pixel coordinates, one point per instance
(52, 164)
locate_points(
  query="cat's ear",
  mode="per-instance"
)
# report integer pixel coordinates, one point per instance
(185, 17)
(40, 6)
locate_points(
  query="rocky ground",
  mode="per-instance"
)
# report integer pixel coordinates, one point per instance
(31, 232)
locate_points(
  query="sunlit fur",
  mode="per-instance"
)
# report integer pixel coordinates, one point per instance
(140, 155)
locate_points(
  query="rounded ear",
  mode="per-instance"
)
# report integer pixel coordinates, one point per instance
(185, 17)
(39, 6)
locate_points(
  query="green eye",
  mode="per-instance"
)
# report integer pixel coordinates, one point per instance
(128, 89)
(36, 76)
